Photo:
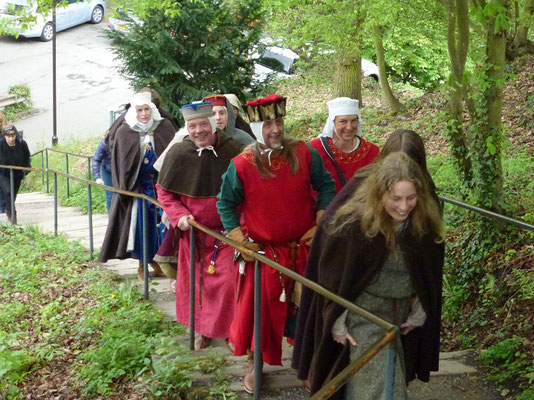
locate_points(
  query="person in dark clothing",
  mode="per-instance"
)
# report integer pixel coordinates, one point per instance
(416, 365)
(139, 141)
(102, 168)
(13, 151)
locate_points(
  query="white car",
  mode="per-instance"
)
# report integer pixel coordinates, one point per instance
(280, 63)
(123, 20)
(274, 61)
(75, 12)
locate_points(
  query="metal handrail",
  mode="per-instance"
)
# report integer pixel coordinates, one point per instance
(44, 165)
(488, 213)
(391, 331)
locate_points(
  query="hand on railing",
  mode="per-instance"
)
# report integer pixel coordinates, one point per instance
(100, 181)
(236, 235)
(342, 339)
(183, 224)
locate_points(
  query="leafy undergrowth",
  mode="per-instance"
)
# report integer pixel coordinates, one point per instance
(70, 330)
(489, 299)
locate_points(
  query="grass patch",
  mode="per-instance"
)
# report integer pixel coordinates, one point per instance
(68, 327)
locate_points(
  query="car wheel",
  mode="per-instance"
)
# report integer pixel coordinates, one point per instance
(48, 32)
(97, 15)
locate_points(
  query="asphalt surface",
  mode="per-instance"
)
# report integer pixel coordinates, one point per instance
(88, 82)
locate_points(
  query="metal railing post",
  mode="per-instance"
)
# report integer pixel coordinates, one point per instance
(55, 204)
(67, 171)
(90, 213)
(145, 249)
(47, 177)
(89, 169)
(42, 168)
(12, 196)
(389, 387)
(192, 290)
(258, 361)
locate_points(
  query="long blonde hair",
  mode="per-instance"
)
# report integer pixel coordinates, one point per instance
(367, 204)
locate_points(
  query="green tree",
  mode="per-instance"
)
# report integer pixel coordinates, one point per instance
(192, 49)
(404, 37)
(476, 144)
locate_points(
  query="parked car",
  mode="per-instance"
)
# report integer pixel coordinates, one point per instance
(280, 63)
(274, 61)
(75, 12)
(123, 20)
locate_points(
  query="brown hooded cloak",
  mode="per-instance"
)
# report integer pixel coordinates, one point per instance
(346, 264)
(126, 157)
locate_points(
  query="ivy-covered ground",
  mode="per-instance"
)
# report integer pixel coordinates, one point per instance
(70, 330)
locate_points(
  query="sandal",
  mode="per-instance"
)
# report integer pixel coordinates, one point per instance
(201, 342)
(248, 382)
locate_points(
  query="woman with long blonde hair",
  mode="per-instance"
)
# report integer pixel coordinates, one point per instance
(384, 251)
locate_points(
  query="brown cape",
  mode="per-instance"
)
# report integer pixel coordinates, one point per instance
(125, 163)
(184, 172)
(357, 259)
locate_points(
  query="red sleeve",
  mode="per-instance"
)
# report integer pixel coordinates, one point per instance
(172, 205)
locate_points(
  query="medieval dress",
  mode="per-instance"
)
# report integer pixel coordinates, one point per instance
(188, 184)
(342, 166)
(133, 157)
(276, 212)
(385, 283)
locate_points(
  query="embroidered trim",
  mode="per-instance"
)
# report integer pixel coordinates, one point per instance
(276, 163)
(349, 158)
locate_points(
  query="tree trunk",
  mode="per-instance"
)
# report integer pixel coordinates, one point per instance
(458, 45)
(488, 138)
(520, 43)
(395, 105)
(348, 80)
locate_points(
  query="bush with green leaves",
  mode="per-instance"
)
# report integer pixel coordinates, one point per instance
(61, 313)
(13, 111)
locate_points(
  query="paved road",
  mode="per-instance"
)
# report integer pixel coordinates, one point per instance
(88, 82)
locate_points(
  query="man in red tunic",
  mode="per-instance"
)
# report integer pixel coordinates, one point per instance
(341, 145)
(188, 184)
(269, 186)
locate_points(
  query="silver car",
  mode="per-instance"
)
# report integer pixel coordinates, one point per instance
(75, 12)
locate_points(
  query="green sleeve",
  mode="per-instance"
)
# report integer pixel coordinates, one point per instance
(230, 196)
(321, 181)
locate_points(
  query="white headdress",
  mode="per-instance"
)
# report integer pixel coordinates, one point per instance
(140, 99)
(341, 106)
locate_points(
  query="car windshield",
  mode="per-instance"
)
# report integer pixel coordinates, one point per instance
(15, 7)
(276, 62)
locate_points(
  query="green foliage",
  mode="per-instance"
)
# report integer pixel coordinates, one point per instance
(191, 49)
(413, 40)
(54, 305)
(508, 360)
(13, 111)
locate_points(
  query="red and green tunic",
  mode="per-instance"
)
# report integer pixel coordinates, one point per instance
(275, 212)
(348, 163)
